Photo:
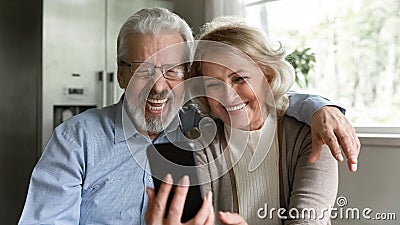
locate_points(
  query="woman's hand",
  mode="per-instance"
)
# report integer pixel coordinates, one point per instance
(228, 218)
(157, 205)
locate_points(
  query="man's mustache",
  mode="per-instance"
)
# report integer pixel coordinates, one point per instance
(163, 94)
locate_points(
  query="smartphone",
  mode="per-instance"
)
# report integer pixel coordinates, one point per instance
(177, 161)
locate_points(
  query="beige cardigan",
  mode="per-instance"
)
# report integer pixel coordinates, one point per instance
(302, 184)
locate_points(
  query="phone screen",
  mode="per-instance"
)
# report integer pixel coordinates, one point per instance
(168, 158)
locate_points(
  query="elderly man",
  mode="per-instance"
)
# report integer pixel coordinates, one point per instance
(87, 173)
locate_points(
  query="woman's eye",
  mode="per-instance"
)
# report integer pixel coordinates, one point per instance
(239, 79)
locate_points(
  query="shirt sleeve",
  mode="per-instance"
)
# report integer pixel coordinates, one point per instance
(303, 106)
(54, 193)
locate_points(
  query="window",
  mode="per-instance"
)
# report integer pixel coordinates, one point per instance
(357, 50)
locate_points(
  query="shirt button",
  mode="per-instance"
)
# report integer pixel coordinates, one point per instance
(150, 179)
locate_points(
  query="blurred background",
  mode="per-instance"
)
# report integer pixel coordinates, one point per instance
(58, 58)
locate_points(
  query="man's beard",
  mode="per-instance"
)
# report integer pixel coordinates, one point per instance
(152, 123)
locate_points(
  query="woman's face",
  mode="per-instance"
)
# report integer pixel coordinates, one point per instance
(236, 90)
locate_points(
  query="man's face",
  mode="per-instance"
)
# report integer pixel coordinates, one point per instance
(152, 101)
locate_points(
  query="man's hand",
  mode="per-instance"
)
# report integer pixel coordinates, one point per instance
(228, 218)
(329, 126)
(157, 205)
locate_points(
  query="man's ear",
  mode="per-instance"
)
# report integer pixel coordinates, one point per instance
(120, 77)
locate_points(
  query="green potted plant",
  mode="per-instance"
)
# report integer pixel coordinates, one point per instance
(302, 61)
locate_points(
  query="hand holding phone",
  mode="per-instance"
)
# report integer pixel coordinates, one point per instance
(156, 208)
(178, 163)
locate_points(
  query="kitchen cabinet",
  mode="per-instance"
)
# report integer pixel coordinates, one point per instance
(79, 55)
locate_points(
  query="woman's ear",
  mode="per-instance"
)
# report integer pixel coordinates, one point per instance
(269, 73)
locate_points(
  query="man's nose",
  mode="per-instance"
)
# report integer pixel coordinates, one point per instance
(160, 83)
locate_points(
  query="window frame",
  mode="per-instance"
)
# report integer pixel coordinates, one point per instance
(384, 135)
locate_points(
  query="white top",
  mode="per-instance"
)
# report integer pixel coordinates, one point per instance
(255, 156)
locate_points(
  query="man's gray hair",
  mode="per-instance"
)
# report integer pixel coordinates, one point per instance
(151, 21)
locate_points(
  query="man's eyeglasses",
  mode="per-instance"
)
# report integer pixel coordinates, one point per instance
(147, 70)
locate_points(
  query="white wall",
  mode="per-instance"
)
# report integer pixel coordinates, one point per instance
(376, 184)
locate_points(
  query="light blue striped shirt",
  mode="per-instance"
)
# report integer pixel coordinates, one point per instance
(87, 174)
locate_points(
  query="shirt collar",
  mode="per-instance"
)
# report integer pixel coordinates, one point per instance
(258, 142)
(119, 134)
(254, 139)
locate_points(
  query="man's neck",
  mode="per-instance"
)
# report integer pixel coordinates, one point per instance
(153, 136)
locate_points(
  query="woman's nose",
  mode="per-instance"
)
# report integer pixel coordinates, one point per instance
(230, 94)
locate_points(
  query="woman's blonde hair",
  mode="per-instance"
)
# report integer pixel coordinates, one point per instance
(254, 44)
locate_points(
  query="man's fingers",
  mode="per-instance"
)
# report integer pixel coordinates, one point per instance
(352, 166)
(160, 201)
(211, 217)
(356, 146)
(178, 201)
(204, 212)
(346, 141)
(352, 158)
(150, 194)
(348, 144)
(330, 139)
(332, 127)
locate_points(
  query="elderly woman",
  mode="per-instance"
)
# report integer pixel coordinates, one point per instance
(257, 166)
(259, 174)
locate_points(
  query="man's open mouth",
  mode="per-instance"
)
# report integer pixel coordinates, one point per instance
(156, 105)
